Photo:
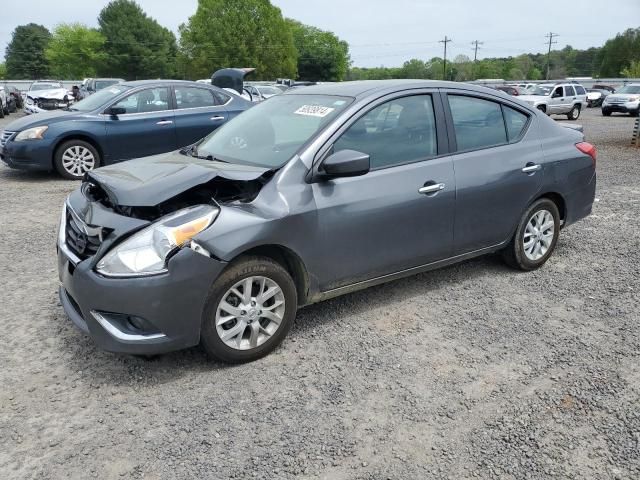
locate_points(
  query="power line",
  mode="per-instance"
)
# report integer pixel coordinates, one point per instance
(550, 36)
(444, 65)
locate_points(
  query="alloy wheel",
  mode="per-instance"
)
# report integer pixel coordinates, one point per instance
(250, 313)
(538, 235)
(77, 160)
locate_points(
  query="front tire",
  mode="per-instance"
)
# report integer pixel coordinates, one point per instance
(74, 158)
(606, 113)
(574, 114)
(535, 238)
(250, 309)
(1, 110)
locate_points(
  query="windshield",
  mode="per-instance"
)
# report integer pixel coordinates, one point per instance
(100, 84)
(632, 89)
(540, 90)
(44, 86)
(98, 99)
(270, 133)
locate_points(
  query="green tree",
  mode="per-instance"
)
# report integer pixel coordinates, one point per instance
(633, 70)
(237, 33)
(322, 56)
(414, 68)
(136, 46)
(75, 51)
(3, 71)
(24, 55)
(617, 52)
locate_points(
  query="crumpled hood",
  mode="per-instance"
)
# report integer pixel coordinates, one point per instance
(55, 93)
(149, 181)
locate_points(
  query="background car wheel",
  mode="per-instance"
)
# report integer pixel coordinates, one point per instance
(75, 158)
(635, 114)
(535, 238)
(606, 113)
(542, 108)
(1, 110)
(249, 311)
(574, 113)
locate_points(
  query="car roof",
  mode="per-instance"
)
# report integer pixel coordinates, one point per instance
(365, 88)
(141, 83)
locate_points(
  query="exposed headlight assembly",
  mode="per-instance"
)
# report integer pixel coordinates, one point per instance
(34, 133)
(146, 252)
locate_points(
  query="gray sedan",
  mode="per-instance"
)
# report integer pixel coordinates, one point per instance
(316, 193)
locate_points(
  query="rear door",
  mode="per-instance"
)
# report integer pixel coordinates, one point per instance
(498, 168)
(569, 97)
(400, 214)
(146, 128)
(198, 112)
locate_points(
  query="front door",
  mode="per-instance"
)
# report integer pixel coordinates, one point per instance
(146, 128)
(400, 214)
(498, 170)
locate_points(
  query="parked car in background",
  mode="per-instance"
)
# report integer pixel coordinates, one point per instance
(558, 99)
(4, 109)
(608, 88)
(508, 89)
(92, 85)
(595, 96)
(307, 196)
(46, 95)
(127, 120)
(262, 92)
(625, 100)
(15, 98)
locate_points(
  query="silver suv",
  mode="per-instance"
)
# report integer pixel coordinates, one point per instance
(558, 98)
(625, 100)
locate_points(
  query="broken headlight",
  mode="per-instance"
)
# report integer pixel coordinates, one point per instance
(146, 252)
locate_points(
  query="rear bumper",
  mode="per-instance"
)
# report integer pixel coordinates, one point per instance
(579, 202)
(111, 310)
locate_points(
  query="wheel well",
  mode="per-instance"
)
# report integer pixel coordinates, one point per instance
(542, 108)
(559, 201)
(291, 262)
(84, 138)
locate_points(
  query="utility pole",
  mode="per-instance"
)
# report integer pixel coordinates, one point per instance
(476, 43)
(550, 36)
(444, 66)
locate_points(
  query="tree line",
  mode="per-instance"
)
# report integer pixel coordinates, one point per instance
(253, 33)
(222, 33)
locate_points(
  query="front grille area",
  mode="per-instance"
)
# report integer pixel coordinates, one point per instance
(78, 240)
(5, 136)
(49, 103)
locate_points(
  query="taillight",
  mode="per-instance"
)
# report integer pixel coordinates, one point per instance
(588, 149)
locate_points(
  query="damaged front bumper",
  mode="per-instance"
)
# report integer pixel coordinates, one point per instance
(137, 315)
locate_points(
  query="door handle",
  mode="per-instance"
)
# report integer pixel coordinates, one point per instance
(532, 168)
(434, 188)
(164, 122)
(217, 117)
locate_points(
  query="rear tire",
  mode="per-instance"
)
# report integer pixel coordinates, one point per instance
(606, 113)
(535, 238)
(239, 327)
(1, 110)
(74, 158)
(574, 114)
(635, 114)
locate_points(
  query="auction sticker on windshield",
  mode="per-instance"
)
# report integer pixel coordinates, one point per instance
(314, 111)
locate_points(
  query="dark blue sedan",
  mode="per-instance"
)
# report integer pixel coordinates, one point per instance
(123, 121)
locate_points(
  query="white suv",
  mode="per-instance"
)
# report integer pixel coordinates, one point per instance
(625, 100)
(558, 98)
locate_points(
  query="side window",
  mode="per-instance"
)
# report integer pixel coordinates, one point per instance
(580, 90)
(400, 131)
(515, 122)
(569, 91)
(221, 98)
(477, 123)
(558, 92)
(149, 100)
(190, 97)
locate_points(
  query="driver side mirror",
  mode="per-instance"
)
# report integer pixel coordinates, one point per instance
(345, 163)
(115, 111)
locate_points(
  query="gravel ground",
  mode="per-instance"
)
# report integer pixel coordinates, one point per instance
(471, 371)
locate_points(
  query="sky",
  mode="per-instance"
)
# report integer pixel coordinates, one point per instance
(389, 32)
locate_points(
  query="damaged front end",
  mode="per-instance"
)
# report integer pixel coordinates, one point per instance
(47, 100)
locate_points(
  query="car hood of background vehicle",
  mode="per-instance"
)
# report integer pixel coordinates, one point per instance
(149, 181)
(530, 98)
(57, 93)
(43, 118)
